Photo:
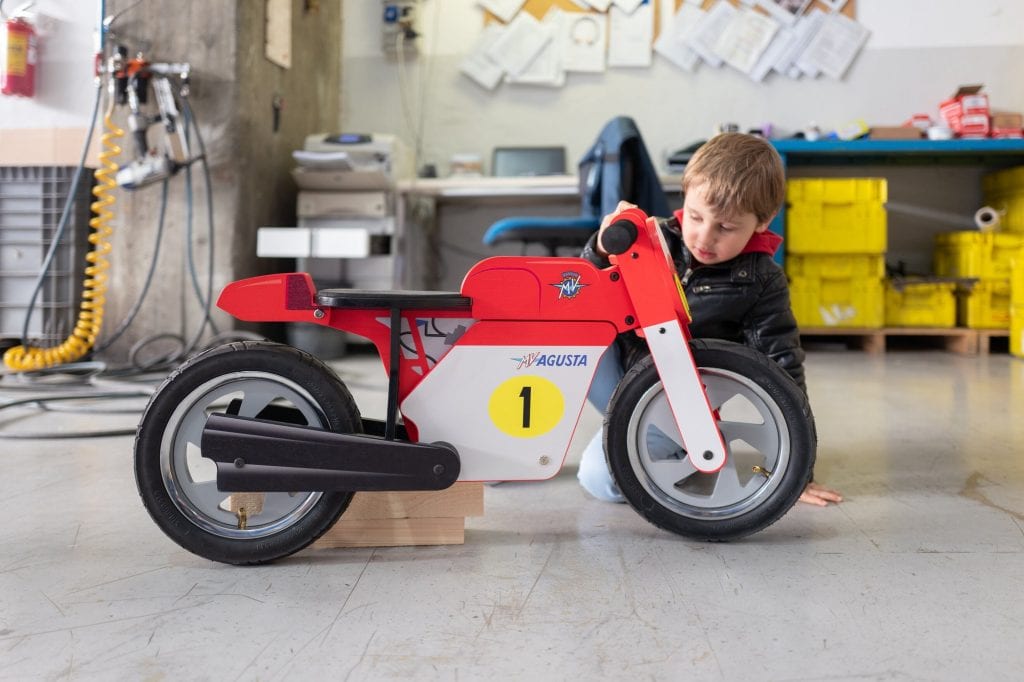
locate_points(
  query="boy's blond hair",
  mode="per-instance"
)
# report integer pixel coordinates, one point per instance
(741, 173)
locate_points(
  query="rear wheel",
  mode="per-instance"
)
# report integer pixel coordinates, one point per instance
(767, 426)
(178, 486)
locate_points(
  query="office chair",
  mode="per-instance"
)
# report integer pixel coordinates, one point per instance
(617, 167)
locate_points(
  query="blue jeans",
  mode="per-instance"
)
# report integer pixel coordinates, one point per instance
(593, 473)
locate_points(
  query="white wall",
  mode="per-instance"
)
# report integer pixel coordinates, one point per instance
(64, 74)
(919, 52)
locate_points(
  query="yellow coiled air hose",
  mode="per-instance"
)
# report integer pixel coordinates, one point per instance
(94, 288)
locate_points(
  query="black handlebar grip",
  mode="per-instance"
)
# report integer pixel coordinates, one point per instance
(618, 237)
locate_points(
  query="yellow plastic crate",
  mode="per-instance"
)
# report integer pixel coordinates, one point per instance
(987, 255)
(1017, 331)
(836, 228)
(842, 302)
(837, 190)
(1007, 180)
(985, 305)
(1017, 280)
(836, 266)
(1004, 191)
(910, 303)
(836, 215)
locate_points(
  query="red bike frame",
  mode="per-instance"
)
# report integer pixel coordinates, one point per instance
(512, 381)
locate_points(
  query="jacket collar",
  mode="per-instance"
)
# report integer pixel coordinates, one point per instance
(762, 242)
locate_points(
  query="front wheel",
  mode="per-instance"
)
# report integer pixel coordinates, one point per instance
(178, 486)
(767, 426)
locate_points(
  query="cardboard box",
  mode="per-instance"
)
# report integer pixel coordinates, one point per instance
(895, 133)
(47, 147)
(1007, 119)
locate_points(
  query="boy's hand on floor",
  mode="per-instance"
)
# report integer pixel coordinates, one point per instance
(820, 495)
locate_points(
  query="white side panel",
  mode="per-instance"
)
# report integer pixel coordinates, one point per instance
(340, 242)
(686, 396)
(283, 242)
(509, 411)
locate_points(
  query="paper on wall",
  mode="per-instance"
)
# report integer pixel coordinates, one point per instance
(519, 45)
(584, 41)
(745, 39)
(600, 5)
(672, 41)
(630, 35)
(546, 68)
(503, 9)
(477, 65)
(834, 46)
(786, 11)
(703, 38)
(802, 34)
(813, 24)
(780, 43)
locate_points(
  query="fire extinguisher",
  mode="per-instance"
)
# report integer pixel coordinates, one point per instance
(18, 68)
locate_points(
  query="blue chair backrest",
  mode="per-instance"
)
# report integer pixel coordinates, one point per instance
(618, 167)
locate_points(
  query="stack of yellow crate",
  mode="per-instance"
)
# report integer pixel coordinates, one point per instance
(986, 257)
(1017, 306)
(835, 256)
(1004, 191)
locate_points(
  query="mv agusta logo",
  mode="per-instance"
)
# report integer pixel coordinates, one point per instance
(538, 359)
(570, 286)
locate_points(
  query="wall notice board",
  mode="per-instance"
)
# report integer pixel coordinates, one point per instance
(537, 42)
(538, 8)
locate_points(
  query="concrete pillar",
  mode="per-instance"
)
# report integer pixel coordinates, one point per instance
(234, 87)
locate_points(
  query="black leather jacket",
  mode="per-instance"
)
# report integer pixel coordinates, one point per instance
(745, 300)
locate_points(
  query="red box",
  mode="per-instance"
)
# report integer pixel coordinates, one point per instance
(965, 109)
(920, 121)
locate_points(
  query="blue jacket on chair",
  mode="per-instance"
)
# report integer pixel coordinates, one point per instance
(618, 168)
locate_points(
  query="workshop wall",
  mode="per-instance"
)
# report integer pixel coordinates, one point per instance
(918, 53)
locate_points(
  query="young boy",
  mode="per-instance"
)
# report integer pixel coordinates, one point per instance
(732, 187)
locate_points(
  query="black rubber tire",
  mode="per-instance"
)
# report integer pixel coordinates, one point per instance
(775, 390)
(324, 393)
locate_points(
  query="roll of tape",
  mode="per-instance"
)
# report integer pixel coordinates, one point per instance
(986, 218)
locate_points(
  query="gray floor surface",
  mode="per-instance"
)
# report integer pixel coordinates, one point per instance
(918, 575)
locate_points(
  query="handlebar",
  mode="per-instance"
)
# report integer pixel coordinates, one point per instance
(618, 237)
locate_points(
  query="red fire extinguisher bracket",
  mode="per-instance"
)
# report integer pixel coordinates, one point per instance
(19, 57)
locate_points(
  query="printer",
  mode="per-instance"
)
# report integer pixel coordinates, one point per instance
(345, 209)
(343, 161)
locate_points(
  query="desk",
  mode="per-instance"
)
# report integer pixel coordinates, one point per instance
(989, 154)
(441, 221)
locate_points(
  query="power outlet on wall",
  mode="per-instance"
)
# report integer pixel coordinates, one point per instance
(400, 27)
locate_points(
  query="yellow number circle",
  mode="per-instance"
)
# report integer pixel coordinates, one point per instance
(526, 406)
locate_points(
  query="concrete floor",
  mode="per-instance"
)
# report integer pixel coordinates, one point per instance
(918, 575)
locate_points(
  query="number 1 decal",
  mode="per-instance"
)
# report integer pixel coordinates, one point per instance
(526, 406)
(525, 395)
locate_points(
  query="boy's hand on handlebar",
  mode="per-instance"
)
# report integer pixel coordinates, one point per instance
(608, 220)
(819, 495)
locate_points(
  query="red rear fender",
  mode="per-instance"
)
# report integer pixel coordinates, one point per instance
(270, 298)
